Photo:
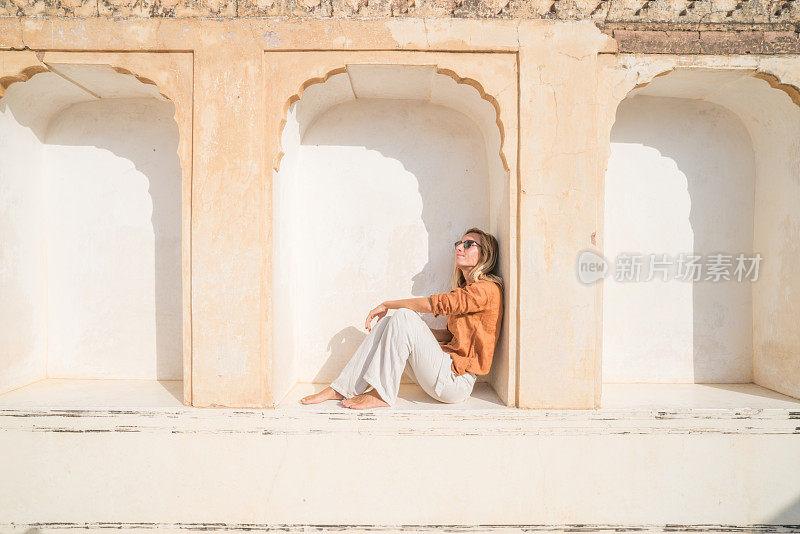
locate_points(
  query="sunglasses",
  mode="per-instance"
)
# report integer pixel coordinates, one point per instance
(467, 243)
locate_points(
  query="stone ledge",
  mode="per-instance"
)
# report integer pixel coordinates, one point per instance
(464, 423)
(67, 527)
(248, 469)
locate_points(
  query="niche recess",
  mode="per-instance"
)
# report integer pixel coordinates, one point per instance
(90, 229)
(384, 167)
(705, 161)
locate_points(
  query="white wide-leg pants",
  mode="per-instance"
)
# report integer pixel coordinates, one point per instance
(381, 358)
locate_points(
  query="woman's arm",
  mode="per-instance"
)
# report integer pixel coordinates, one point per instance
(418, 304)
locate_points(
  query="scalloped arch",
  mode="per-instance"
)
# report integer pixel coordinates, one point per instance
(446, 72)
(638, 85)
(29, 72)
(22, 76)
(774, 81)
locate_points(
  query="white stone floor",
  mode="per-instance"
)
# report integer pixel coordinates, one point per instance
(86, 393)
(76, 393)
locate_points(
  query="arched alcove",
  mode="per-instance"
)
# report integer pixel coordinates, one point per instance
(383, 168)
(704, 161)
(90, 231)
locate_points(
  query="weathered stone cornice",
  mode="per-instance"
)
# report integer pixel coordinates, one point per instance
(704, 41)
(726, 14)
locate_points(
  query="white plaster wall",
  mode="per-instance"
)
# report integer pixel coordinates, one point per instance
(286, 214)
(90, 229)
(23, 343)
(384, 189)
(680, 178)
(774, 122)
(113, 223)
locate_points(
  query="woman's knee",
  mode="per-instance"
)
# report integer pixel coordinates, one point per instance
(405, 314)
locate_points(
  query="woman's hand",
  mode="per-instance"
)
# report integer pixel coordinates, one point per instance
(379, 311)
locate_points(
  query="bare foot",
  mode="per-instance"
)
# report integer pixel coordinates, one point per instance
(365, 401)
(326, 394)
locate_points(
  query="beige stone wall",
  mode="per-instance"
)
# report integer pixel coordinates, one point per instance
(231, 81)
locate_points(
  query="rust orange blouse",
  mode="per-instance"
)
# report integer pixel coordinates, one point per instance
(474, 315)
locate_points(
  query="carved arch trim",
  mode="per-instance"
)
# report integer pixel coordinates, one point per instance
(442, 71)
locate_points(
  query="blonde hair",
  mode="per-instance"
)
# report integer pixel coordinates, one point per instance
(486, 264)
